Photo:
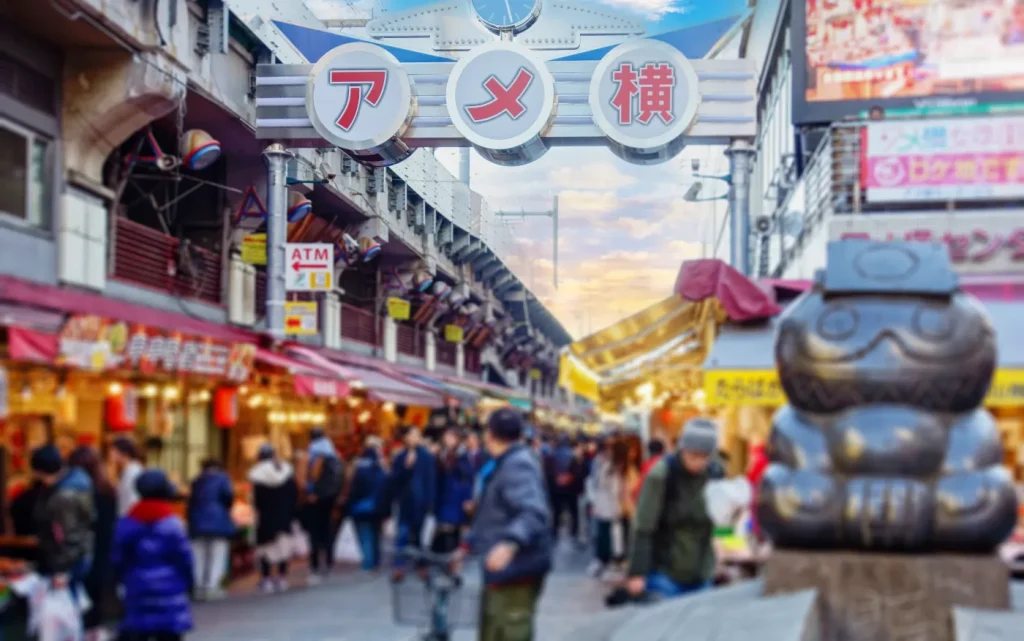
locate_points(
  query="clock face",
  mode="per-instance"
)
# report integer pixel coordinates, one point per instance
(506, 14)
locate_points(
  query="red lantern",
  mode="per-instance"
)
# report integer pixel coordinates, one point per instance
(225, 407)
(123, 410)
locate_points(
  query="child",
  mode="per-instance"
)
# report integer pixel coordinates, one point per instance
(153, 561)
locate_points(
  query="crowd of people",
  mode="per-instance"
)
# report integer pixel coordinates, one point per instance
(505, 494)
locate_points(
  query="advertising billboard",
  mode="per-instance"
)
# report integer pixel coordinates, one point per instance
(851, 56)
(943, 159)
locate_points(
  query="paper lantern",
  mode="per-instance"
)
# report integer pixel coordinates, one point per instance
(225, 407)
(122, 410)
(199, 150)
(298, 207)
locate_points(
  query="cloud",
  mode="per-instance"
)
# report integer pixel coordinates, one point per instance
(604, 175)
(637, 228)
(650, 9)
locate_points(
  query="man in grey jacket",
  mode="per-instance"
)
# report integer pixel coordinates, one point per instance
(511, 531)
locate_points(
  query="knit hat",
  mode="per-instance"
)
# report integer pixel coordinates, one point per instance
(700, 435)
(154, 484)
(46, 459)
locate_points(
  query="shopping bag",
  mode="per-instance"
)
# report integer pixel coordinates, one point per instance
(390, 530)
(618, 540)
(299, 542)
(427, 535)
(60, 619)
(346, 546)
(727, 499)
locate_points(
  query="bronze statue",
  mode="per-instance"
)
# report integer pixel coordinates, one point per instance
(885, 445)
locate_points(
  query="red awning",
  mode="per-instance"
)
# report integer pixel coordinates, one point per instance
(30, 346)
(316, 359)
(986, 288)
(290, 365)
(741, 298)
(310, 380)
(387, 388)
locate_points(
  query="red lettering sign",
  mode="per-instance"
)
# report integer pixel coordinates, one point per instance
(503, 99)
(642, 96)
(977, 246)
(363, 85)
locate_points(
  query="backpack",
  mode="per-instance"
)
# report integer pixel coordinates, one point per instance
(563, 461)
(331, 480)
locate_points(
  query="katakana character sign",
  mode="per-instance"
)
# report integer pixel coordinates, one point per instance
(501, 97)
(644, 96)
(360, 98)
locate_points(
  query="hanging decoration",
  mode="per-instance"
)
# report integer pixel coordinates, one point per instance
(251, 213)
(298, 207)
(199, 150)
(156, 156)
(122, 413)
(225, 407)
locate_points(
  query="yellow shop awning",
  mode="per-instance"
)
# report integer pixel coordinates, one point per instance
(577, 379)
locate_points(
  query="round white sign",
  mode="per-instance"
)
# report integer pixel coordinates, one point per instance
(359, 97)
(501, 96)
(644, 95)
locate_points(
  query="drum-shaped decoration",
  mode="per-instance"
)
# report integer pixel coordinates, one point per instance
(122, 410)
(368, 249)
(225, 407)
(441, 290)
(298, 207)
(422, 280)
(199, 150)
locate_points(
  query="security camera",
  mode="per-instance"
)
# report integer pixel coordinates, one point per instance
(693, 192)
(695, 164)
(326, 172)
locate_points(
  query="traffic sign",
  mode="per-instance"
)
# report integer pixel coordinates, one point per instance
(309, 267)
(300, 318)
(254, 249)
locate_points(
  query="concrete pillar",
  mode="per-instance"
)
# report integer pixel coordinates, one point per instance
(430, 357)
(460, 360)
(390, 340)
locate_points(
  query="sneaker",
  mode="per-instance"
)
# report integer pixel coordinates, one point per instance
(267, 586)
(282, 585)
(313, 580)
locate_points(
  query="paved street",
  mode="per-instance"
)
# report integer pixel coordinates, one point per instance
(356, 607)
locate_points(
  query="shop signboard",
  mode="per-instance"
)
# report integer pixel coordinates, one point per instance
(850, 57)
(309, 267)
(5, 403)
(943, 159)
(99, 344)
(320, 387)
(979, 242)
(399, 309)
(453, 333)
(300, 318)
(254, 249)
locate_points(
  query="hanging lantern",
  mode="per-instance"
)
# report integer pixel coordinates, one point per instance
(422, 280)
(298, 207)
(368, 249)
(441, 290)
(199, 150)
(122, 410)
(225, 407)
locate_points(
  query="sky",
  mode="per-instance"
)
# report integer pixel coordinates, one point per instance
(624, 229)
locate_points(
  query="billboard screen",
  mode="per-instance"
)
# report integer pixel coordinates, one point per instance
(854, 55)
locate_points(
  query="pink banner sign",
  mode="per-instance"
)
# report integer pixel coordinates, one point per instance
(320, 387)
(943, 160)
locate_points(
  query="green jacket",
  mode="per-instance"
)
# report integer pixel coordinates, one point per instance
(674, 536)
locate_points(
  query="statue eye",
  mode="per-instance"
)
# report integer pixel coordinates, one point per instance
(838, 323)
(933, 323)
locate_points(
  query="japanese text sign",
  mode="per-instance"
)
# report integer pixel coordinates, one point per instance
(399, 309)
(500, 96)
(943, 159)
(359, 97)
(254, 249)
(320, 387)
(978, 243)
(300, 318)
(644, 95)
(743, 387)
(453, 333)
(309, 267)
(92, 342)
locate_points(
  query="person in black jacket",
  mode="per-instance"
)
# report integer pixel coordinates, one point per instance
(368, 502)
(275, 499)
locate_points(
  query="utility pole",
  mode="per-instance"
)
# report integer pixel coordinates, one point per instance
(741, 163)
(276, 158)
(553, 215)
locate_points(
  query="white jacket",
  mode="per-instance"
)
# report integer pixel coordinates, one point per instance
(604, 490)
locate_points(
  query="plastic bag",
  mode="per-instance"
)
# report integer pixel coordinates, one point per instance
(727, 499)
(299, 542)
(390, 530)
(346, 546)
(427, 535)
(54, 615)
(618, 540)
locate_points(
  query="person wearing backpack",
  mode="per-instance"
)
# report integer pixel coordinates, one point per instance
(326, 478)
(367, 502)
(671, 552)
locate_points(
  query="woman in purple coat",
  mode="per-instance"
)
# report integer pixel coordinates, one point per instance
(153, 561)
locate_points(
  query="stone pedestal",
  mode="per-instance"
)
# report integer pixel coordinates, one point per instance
(887, 597)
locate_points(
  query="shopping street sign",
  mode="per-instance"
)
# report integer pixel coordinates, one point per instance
(254, 249)
(309, 267)
(644, 99)
(300, 318)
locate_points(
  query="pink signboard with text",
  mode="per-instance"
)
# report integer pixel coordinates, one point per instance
(905, 161)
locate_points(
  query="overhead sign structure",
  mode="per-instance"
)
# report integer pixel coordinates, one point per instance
(300, 318)
(254, 249)
(644, 99)
(309, 267)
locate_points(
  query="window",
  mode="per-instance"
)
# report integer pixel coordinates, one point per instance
(24, 175)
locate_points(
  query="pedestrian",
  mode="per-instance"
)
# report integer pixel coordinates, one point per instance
(566, 473)
(368, 503)
(629, 459)
(672, 552)
(153, 561)
(210, 528)
(326, 479)
(127, 462)
(477, 456)
(604, 491)
(454, 489)
(414, 488)
(275, 501)
(99, 580)
(511, 532)
(64, 516)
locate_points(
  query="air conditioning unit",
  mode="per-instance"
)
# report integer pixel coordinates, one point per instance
(330, 321)
(242, 293)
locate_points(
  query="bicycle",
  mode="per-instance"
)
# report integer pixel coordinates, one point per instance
(444, 589)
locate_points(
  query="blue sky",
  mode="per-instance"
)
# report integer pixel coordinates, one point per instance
(625, 229)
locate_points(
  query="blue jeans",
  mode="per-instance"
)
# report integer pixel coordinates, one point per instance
(368, 531)
(408, 535)
(658, 583)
